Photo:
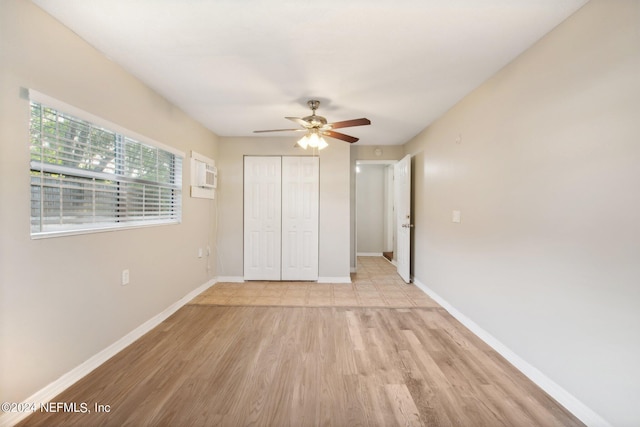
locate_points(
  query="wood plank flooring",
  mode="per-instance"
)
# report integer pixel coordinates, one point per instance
(213, 365)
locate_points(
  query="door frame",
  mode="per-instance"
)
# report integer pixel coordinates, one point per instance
(387, 163)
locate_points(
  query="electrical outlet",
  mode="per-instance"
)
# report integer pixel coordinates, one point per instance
(456, 216)
(125, 277)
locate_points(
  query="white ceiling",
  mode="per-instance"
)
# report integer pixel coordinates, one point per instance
(242, 65)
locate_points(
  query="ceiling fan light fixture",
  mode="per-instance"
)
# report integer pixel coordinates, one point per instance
(313, 140)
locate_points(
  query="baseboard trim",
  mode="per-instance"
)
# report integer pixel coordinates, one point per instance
(566, 399)
(231, 279)
(322, 279)
(392, 262)
(346, 279)
(369, 254)
(68, 379)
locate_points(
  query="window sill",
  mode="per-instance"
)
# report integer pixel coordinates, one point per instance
(102, 229)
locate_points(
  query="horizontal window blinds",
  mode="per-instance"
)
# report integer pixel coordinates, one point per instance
(88, 177)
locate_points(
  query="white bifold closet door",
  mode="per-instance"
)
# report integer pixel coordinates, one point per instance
(281, 202)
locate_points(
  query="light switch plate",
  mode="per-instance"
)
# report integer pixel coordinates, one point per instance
(455, 217)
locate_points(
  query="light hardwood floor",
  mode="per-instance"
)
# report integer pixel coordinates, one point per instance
(216, 365)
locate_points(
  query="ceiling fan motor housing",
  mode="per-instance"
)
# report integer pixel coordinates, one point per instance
(314, 121)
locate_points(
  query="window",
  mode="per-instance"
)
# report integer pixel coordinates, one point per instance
(90, 177)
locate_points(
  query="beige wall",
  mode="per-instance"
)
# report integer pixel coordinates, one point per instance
(61, 301)
(334, 201)
(368, 152)
(543, 161)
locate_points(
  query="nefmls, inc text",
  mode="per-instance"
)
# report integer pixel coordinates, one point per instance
(75, 407)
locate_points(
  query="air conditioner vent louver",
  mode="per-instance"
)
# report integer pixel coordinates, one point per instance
(207, 175)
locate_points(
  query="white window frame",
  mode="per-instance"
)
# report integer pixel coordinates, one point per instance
(41, 170)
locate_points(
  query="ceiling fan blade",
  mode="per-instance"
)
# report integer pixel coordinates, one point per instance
(279, 130)
(349, 123)
(299, 121)
(342, 136)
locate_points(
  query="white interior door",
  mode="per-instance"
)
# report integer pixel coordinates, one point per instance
(402, 191)
(300, 200)
(262, 218)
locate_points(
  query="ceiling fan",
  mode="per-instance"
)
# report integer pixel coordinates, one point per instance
(317, 126)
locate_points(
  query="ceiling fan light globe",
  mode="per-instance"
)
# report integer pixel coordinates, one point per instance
(303, 142)
(322, 144)
(314, 140)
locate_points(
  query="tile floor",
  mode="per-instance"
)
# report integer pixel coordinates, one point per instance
(376, 284)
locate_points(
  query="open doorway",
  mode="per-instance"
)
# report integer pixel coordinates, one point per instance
(375, 220)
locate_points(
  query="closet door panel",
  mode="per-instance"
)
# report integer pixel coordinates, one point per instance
(262, 218)
(300, 205)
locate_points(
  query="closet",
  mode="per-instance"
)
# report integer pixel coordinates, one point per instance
(281, 202)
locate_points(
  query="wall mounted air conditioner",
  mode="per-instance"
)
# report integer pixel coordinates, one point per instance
(204, 176)
(207, 175)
